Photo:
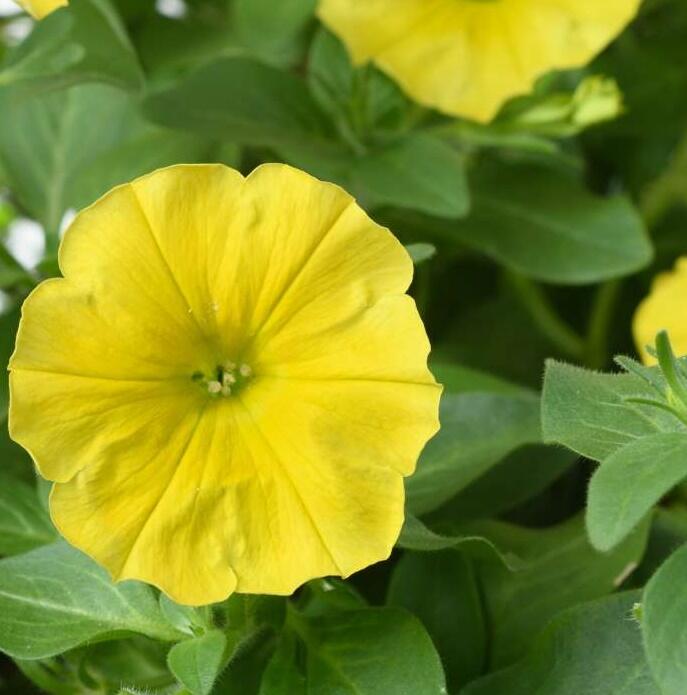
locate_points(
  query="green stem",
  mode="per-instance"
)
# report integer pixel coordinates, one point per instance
(666, 190)
(599, 327)
(538, 306)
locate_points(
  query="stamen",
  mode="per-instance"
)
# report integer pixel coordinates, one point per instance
(226, 380)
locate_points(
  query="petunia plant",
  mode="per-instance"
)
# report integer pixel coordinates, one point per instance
(346, 347)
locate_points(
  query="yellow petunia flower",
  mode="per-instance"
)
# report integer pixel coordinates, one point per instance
(468, 57)
(229, 383)
(663, 309)
(42, 8)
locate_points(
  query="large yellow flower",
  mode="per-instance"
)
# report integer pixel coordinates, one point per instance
(467, 57)
(42, 8)
(664, 309)
(229, 383)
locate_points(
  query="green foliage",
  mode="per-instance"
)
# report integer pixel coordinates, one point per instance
(196, 663)
(594, 649)
(85, 42)
(55, 598)
(533, 237)
(663, 624)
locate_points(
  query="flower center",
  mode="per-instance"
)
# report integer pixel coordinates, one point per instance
(227, 379)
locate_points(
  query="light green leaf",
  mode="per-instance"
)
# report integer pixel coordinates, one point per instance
(630, 482)
(441, 589)
(58, 155)
(560, 569)
(592, 649)
(664, 616)
(477, 431)
(24, 524)
(84, 42)
(197, 662)
(421, 252)
(368, 652)
(588, 412)
(55, 598)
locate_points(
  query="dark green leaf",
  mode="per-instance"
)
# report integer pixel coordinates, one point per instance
(560, 569)
(441, 590)
(419, 172)
(545, 226)
(592, 649)
(664, 616)
(256, 105)
(477, 431)
(416, 536)
(24, 524)
(368, 652)
(272, 31)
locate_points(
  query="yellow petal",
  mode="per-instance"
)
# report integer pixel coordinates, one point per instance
(42, 8)
(204, 486)
(467, 57)
(663, 309)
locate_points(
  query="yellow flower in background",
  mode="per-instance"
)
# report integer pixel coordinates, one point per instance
(663, 309)
(229, 383)
(468, 57)
(42, 8)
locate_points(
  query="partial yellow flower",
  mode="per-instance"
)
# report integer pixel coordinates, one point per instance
(42, 8)
(663, 309)
(468, 57)
(229, 383)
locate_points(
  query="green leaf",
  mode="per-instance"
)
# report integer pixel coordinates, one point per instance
(560, 569)
(186, 619)
(282, 676)
(368, 652)
(419, 172)
(592, 649)
(256, 105)
(544, 225)
(24, 524)
(274, 32)
(521, 476)
(589, 413)
(84, 42)
(8, 329)
(416, 536)
(361, 101)
(442, 591)
(58, 155)
(197, 662)
(630, 482)
(421, 252)
(55, 598)
(477, 431)
(139, 662)
(664, 617)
